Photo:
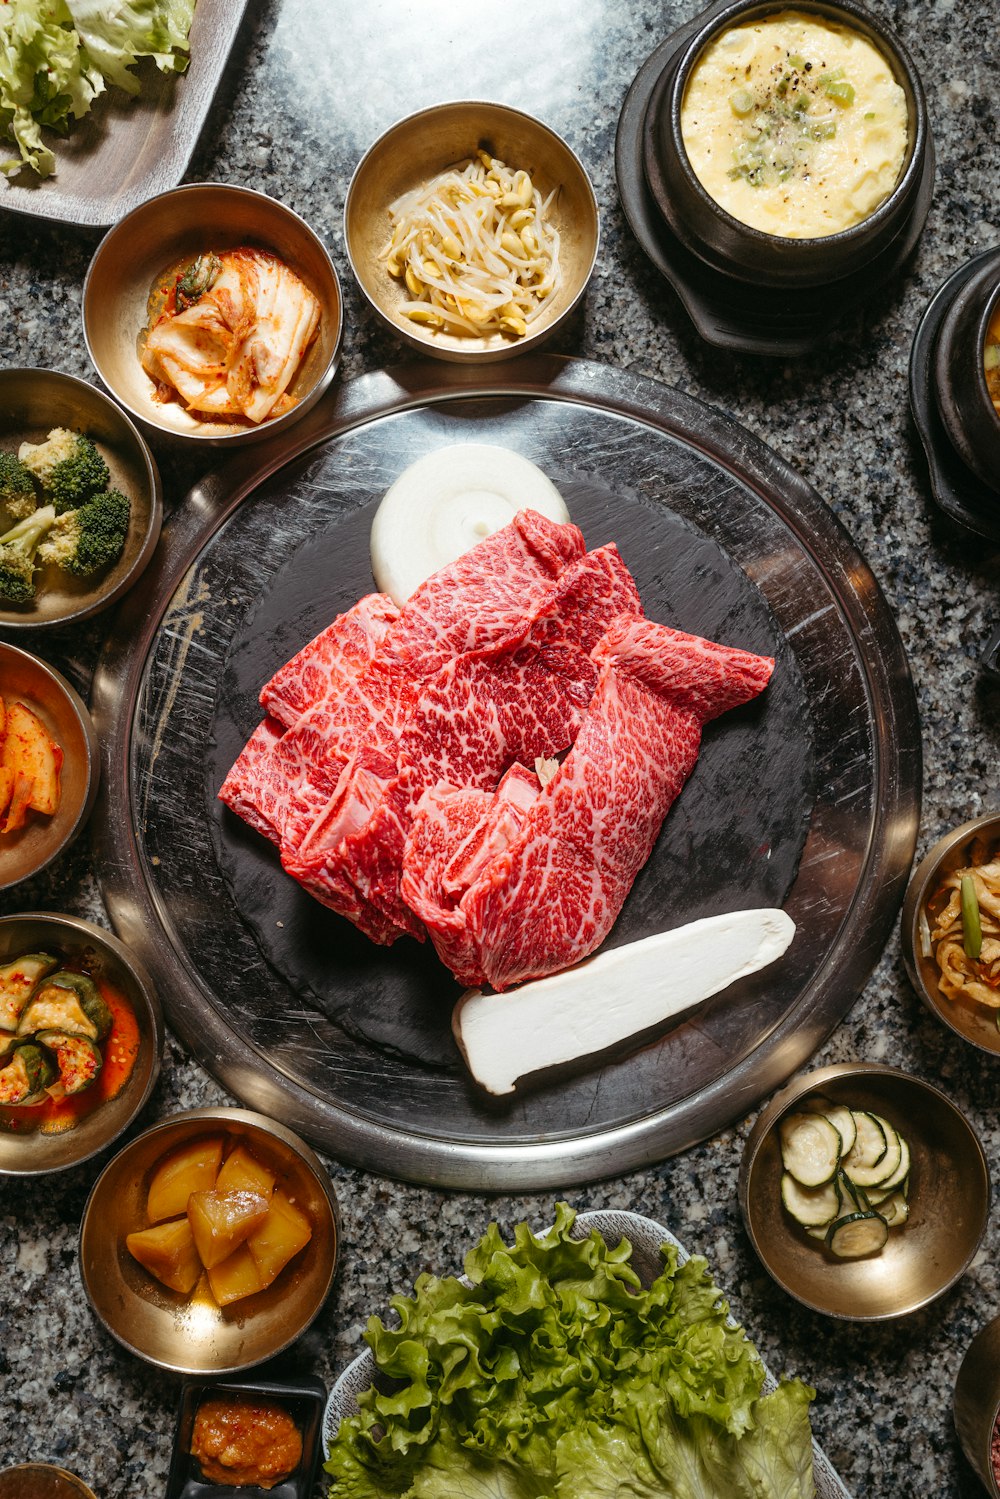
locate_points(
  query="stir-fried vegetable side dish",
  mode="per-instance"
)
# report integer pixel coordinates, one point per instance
(846, 1176)
(228, 333)
(64, 514)
(476, 248)
(963, 919)
(68, 1042)
(58, 56)
(556, 1372)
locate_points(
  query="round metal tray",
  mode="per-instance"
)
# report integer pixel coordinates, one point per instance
(594, 430)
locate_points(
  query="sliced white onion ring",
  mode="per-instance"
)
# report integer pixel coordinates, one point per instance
(446, 503)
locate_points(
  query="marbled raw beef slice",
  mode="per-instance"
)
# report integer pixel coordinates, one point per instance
(263, 785)
(553, 895)
(482, 712)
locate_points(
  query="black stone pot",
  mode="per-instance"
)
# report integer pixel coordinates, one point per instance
(751, 255)
(963, 400)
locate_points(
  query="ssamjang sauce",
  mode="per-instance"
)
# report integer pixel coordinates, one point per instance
(239, 1440)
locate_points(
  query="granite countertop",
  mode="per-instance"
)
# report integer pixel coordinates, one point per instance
(309, 86)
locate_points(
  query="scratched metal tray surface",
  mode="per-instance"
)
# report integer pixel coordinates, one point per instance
(240, 955)
(128, 149)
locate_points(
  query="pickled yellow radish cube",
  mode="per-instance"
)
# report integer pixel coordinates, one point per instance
(242, 1172)
(191, 1168)
(235, 1277)
(284, 1231)
(168, 1252)
(221, 1221)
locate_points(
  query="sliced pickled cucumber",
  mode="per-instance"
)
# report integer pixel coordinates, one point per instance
(810, 1148)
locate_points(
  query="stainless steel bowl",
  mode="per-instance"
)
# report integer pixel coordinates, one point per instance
(158, 236)
(26, 1147)
(41, 688)
(976, 1403)
(973, 1022)
(412, 152)
(949, 1199)
(32, 402)
(171, 1330)
(42, 1481)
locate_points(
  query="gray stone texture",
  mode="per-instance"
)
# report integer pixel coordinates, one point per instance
(311, 83)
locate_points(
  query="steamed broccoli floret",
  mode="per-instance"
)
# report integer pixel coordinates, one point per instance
(17, 555)
(90, 537)
(79, 477)
(40, 458)
(17, 488)
(68, 466)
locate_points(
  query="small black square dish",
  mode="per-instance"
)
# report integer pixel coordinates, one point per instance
(302, 1402)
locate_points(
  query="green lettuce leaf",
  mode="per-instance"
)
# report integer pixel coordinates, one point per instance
(56, 55)
(554, 1374)
(115, 36)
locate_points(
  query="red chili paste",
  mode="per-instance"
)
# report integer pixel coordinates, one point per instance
(241, 1441)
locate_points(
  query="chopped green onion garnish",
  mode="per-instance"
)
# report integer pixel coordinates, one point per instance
(797, 62)
(741, 103)
(972, 929)
(843, 93)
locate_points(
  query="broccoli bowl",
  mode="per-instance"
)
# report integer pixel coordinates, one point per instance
(80, 500)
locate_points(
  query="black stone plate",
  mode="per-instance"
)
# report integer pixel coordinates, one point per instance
(751, 793)
(728, 313)
(957, 491)
(723, 537)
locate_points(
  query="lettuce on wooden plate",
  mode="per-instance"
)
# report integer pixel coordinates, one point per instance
(56, 56)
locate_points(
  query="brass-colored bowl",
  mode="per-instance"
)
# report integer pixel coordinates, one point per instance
(419, 147)
(171, 1330)
(158, 237)
(32, 402)
(976, 1403)
(26, 679)
(973, 1022)
(25, 1148)
(42, 1481)
(949, 1199)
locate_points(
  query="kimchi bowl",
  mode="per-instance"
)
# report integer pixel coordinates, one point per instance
(225, 292)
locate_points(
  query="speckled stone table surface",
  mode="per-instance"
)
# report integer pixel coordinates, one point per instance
(309, 86)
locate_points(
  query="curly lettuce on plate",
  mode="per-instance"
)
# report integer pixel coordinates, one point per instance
(56, 56)
(555, 1375)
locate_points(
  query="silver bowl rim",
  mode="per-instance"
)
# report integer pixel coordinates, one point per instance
(103, 599)
(219, 1114)
(101, 936)
(82, 715)
(808, 1082)
(426, 344)
(913, 903)
(240, 436)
